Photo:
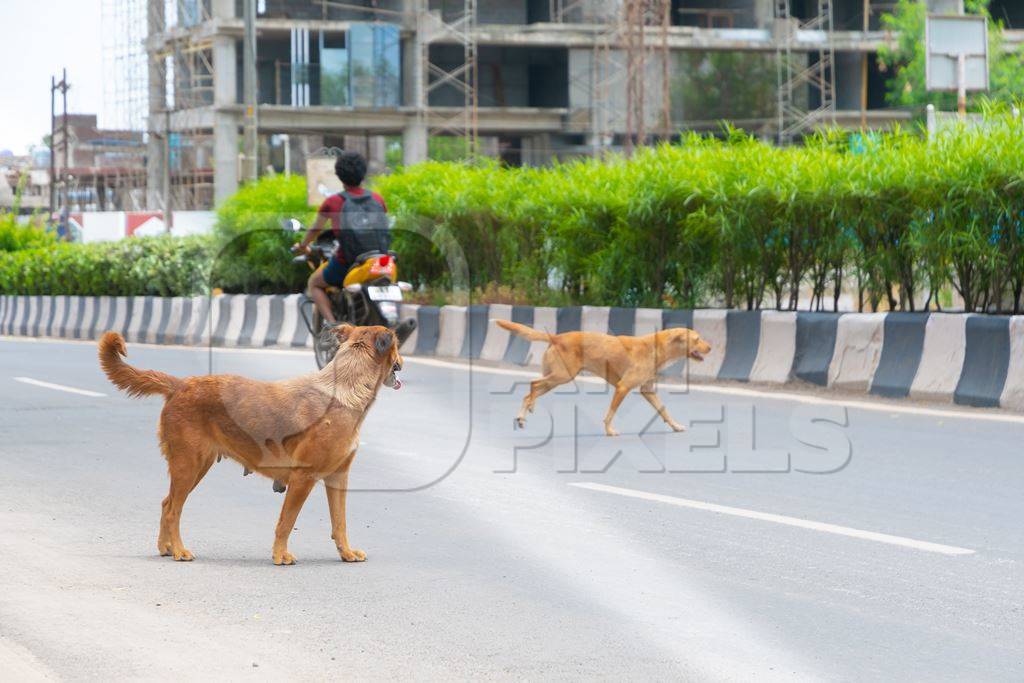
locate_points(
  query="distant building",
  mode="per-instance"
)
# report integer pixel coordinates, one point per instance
(553, 78)
(106, 169)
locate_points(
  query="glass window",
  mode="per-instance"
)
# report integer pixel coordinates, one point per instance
(375, 65)
(334, 76)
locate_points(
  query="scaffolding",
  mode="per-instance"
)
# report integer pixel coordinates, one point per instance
(455, 27)
(802, 76)
(119, 181)
(183, 85)
(630, 36)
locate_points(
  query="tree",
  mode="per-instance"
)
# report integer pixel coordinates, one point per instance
(906, 60)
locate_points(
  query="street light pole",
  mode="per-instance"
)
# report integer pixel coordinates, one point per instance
(53, 149)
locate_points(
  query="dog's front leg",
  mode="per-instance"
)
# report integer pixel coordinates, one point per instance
(337, 491)
(299, 486)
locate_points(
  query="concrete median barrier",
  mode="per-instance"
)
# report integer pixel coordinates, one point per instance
(942, 357)
(1013, 392)
(711, 325)
(742, 338)
(815, 344)
(517, 351)
(986, 361)
(857, 351)
(776, 348)
(496, 339)
(901, 354)
(452, 331)
(971, 359)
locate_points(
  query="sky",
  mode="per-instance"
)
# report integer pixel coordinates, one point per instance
(37, 39)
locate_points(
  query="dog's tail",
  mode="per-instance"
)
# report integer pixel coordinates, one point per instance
(131, 380)
(524, 331)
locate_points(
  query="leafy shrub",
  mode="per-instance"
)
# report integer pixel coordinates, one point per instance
(735, 222)
(252, 248)
(159, 266)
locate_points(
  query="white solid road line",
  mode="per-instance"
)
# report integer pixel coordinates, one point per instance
(58, 387)
(779, 519)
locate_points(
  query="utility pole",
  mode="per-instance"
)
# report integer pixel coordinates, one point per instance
(62, 87)
(249, 88)
(168, 212)
(864, 72)
(53, 149)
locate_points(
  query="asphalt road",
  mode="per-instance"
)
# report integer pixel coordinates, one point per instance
(851, 542)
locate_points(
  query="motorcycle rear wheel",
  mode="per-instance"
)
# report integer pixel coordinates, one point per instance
(323, 352)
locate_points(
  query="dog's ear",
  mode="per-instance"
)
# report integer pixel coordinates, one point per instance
(342, 332)
(383, 342)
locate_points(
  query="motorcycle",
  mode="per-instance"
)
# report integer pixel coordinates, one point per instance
(370, 294)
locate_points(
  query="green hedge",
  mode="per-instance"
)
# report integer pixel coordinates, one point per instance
(252, 247)
(737, 222)
(161, 266)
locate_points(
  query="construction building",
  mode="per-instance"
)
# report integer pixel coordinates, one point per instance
(230, 88)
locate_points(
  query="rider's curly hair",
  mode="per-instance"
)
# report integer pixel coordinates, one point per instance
(350, 167)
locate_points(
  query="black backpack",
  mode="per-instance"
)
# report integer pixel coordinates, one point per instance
(364, 226)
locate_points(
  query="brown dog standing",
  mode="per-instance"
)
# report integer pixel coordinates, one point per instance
(298, 431)
(624, 362)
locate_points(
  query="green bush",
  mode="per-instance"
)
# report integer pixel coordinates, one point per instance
(736, 222)
(160, 266)
(252, 248)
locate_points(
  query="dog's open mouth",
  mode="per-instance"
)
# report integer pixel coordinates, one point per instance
(393, 381)
(697, 355)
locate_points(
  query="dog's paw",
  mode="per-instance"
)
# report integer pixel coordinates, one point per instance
(676, 427)
(611, 431)
(283, 557)
(518, 423)
(164, 548)
(182, 555)
(352, 555)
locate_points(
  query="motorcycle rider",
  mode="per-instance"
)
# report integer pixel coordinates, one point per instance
(365, 207)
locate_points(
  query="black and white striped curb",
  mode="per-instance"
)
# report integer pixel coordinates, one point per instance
(968, 359)
(231, 320)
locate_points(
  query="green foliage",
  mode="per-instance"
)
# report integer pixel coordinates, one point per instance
(905, 60)
(15, 236)
(252, 247)
(734, 222)
(160, 266)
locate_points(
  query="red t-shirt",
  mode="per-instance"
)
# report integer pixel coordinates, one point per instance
(331, 208)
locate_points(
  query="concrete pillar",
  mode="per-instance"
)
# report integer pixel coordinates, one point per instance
(155, 165)
(225, 71)
(225, 126)
(414, 135)
(414, 142)
(225, 155)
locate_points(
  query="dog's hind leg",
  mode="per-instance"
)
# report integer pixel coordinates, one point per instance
(538, 388)
(556, 373)
(186, 465)
(647, 392)
(299, 486)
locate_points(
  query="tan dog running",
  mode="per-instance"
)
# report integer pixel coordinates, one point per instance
(624, 362)
(297, 431)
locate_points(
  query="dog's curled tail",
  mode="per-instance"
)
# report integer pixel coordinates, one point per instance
(131, 380)
(524, 331)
